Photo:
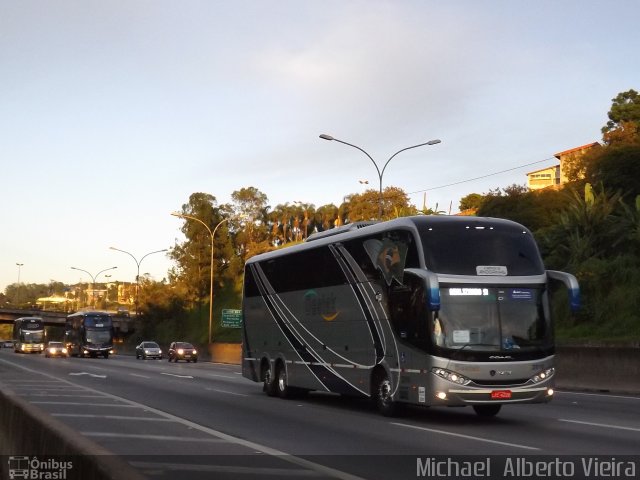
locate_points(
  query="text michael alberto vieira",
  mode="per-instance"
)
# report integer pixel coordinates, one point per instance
(518, 467)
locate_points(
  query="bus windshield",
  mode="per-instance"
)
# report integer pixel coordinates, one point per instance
(97, 321)
(32, 337)
(492, 319)
(460, 249)
(98, 337)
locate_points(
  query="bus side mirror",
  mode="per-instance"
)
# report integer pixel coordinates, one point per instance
(571, 283)
(433, 291)
(431, 284)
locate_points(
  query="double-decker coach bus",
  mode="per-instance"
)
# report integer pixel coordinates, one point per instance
(89, 334)
(425, 310)
(28, 335)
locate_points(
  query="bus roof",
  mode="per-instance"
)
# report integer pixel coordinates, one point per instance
(403, 223)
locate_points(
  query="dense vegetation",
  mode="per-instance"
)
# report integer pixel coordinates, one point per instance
(590, 228)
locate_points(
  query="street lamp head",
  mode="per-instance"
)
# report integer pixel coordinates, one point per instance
(433, 142)
(324, 136)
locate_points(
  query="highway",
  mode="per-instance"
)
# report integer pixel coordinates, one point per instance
(205, 420)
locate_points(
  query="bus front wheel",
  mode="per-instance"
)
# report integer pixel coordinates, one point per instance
(487, 410)
(383, 396)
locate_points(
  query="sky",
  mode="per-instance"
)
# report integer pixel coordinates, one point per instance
(112, 113)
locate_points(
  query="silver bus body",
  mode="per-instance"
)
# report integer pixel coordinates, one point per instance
(28, 335)
(375, 312)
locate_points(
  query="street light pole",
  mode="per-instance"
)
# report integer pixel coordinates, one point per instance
(212, 234)
(138, 272)
(18, 296)
(93, 279)
(380, 172)
(20, 265)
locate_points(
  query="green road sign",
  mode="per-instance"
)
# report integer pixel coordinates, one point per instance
(231, 318)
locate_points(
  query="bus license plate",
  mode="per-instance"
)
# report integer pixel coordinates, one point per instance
(500, 394)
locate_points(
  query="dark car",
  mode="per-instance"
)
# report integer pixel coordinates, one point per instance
(182, 351)
(56, 349)
(148, 350)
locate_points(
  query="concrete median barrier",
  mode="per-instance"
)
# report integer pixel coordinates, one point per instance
(601, 369)
(28, 433)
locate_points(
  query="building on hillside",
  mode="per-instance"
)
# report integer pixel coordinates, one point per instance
(544, 178)
(555, 175)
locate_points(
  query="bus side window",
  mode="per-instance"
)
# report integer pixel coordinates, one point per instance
(408, 310)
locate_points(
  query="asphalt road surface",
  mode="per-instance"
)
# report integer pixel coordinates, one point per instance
(205, 420)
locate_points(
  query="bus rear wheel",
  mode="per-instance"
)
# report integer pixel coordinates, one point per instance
(284, 391)
(487, 410)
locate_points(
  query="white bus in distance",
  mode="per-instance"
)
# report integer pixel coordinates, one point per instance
(29, 335)
(425, 310)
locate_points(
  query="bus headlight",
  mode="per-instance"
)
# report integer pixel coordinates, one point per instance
(543, 375)
(451, 376)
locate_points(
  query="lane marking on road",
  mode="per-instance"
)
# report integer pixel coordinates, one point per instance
(138, 375)
(603, 425)
(30, 382)
(163, 438)
(175, 375)
(599, 395)
(260, 471)
(110, 417)
(87, 373)
(219, 376)
(286, 457)
(85, 404)
(469, 437)
(46, 388)
(226, 391)
(58, 395)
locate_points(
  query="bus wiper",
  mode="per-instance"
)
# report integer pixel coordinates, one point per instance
(459, 349)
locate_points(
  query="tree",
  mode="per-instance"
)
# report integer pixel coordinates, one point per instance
(193, 257)
(364, 206)
(250, 210)
(587, 228)
(471, 201)
(624, 119)
(534, 209)
(617, 168)
(326, 216)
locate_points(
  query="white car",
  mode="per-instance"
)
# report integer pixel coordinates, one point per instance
(148, 350)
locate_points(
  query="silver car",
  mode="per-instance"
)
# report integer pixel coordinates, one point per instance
(148, 350)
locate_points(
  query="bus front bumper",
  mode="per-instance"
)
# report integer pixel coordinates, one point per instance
(459, 395)
(32, 347)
